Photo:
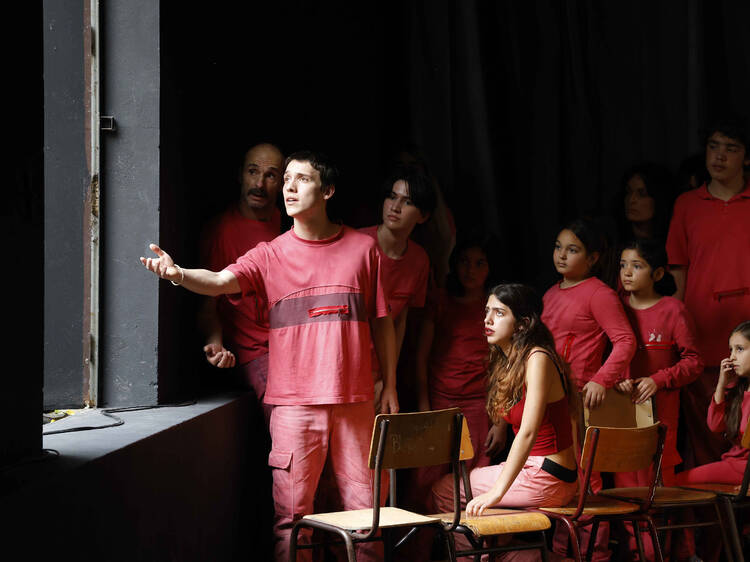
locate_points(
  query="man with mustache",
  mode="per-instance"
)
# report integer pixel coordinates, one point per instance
(237, 332)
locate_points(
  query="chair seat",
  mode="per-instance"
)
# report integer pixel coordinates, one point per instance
(663, 495)
(596, 505)
(497, 521)
(361, 519)
(716, 488)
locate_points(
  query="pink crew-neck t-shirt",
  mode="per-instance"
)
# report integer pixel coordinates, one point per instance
(320, 296)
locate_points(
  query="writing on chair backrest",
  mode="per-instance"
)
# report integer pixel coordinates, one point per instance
(417, 439)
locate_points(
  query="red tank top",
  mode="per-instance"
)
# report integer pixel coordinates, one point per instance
(555, 433)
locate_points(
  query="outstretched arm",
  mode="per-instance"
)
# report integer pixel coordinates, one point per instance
(199, 281)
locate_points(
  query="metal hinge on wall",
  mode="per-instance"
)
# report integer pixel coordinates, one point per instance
(107, 123)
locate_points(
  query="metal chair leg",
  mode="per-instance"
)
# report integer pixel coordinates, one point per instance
(726, 503)
(572, 536)
(592, 540)
(654, 539)
(638, 540)
(350, 552)
(543, 547)
(450, 545)
(293, 544)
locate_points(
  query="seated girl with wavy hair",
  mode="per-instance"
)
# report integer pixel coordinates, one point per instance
(528, 388)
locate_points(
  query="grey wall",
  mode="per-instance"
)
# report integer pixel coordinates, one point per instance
(65, 180)
(130, 202)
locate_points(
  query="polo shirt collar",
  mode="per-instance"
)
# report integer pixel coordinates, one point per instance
(703, 192)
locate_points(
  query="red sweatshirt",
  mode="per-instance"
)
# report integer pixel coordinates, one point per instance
(667, 352)
(582, 318)
(717, 423)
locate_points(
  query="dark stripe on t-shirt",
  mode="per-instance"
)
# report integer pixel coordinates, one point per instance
(332, 307)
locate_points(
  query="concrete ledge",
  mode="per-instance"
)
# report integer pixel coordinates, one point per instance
(187, 483)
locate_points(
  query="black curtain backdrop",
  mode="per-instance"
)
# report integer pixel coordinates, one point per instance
(528, 112)
(532, 111)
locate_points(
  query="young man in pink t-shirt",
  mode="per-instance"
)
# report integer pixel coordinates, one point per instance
(409, 200)
(237, 334)
(321, 285)
(707, 245)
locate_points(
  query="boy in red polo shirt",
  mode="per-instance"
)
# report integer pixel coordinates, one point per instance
(707, 236)
(321, 285)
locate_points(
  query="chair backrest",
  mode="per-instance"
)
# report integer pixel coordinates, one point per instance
(418, 439)
(618, 410)
(622, 449)
(467, 449)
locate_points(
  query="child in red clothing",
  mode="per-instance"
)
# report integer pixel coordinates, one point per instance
(583, 313)
(667, 356)
(666, 359)
(452, 354)
(728, 413)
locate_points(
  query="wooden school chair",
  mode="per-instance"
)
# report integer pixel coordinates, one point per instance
(409, 440)
(732, 498)
(618, 410)
(483, 532)
(610, 449)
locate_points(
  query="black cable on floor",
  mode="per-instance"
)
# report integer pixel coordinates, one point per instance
(118, 421)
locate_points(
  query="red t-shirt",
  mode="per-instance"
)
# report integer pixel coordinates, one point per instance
(320, 296)
(405, 279)
(667, 352)
(711, 238)
(457, 365)
(244, 326)
(581, 319)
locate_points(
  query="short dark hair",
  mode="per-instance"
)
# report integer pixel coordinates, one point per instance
(733, 126)
(421, 189)
(329, 174)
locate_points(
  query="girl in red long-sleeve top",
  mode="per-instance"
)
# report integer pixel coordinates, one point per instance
(667, 356)
(666, 359)
(728, 413)
(583, 313)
